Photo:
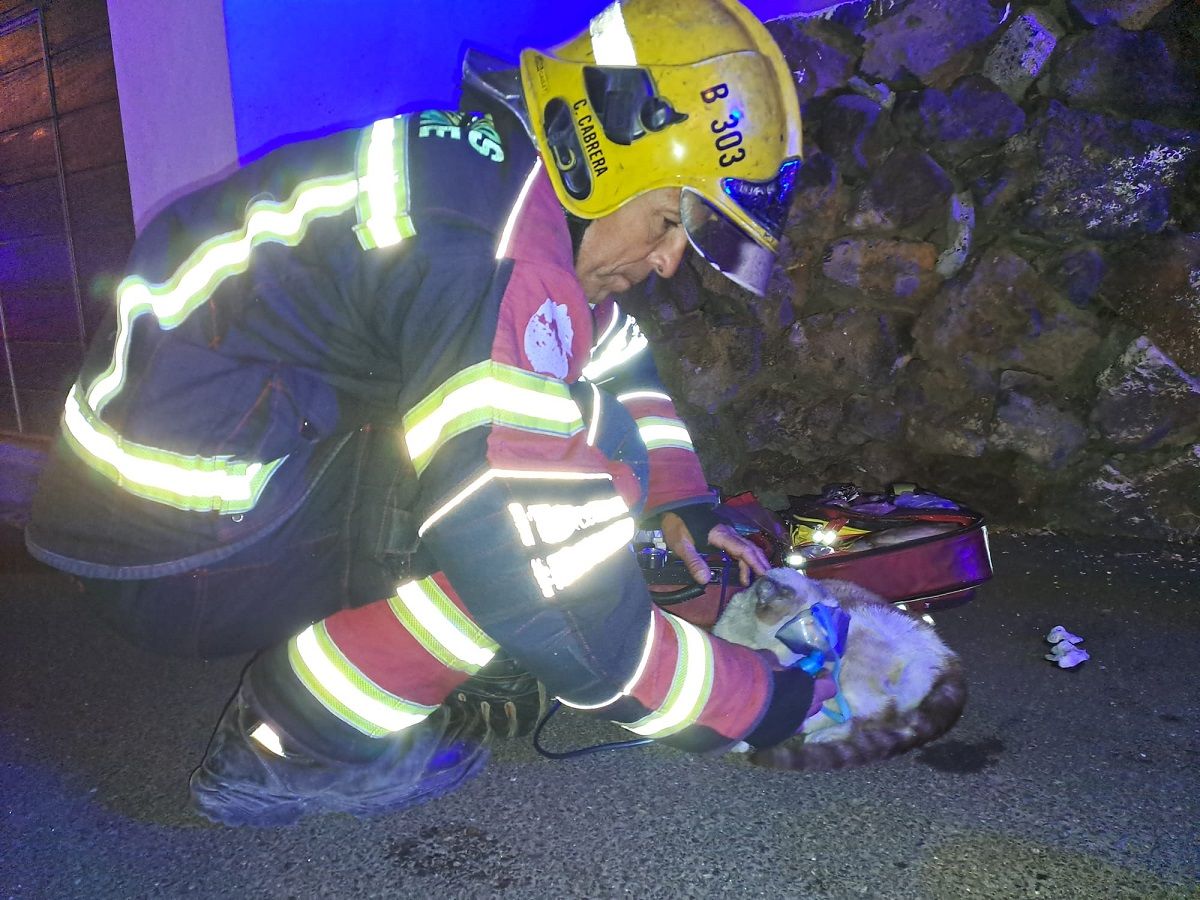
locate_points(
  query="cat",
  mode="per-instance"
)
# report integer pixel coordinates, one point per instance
(903, 686)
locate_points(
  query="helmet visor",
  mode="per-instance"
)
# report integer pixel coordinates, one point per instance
(734, 252)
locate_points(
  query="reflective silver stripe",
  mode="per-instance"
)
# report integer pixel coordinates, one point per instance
(489, 393)
(594, 425)
(611, 43)
(515, 212)
(440, 627)
(382, 203)
(269, 738)
(691, 686)
(480, 482)
(558, 522)
(620, 346)
(345, 691)
(616, 320)
(643, 661)
(643, 395)
(565, 566)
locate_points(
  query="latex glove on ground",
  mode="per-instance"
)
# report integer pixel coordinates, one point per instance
(1065, 653)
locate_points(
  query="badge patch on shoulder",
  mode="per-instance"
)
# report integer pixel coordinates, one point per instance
(480, 130)
(548, 339)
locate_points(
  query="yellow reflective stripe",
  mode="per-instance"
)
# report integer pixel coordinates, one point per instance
(185, 482)
(343, 690)
(214, 261)
(441, 627)
(626, 343)
(484, 394)
(690, 687)
(182, 481)
(565, 566)
(382, 203)
(663, 431)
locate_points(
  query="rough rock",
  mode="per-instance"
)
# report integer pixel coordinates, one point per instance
(711, 365)
(947, 411)
(882, 269)
(857, 15)
(846, 351)
(960, 234)
(821, 55)
(1005, 316)
(1019, 57)
(852, 130)
(1155, 285)
(932, 40)
(1040, 430)
(1135, 75)
(908, 189)
(1146, 401)
(776, 423)
(1149, 495)
(1130, 14)
(1079, 274)
(1097, 177)
(974, 116)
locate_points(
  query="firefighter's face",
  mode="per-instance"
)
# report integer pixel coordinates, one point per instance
(624, 247)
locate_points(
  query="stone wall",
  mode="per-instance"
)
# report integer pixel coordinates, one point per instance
(991, 278)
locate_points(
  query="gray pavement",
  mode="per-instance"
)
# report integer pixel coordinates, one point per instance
(1057, 784)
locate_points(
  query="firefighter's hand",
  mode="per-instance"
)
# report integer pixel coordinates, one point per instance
(750, 558)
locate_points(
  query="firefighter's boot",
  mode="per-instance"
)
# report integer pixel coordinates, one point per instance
(242, 781)
(508, 697)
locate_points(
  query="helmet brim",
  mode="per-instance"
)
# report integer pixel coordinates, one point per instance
(724, 245)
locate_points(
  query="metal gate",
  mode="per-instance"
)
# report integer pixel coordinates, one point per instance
(65, 218)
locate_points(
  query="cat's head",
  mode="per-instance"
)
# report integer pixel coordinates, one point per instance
(754, 615)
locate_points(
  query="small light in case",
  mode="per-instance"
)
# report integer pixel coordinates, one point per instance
(825, 536)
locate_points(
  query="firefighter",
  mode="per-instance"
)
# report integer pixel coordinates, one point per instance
(369, 407)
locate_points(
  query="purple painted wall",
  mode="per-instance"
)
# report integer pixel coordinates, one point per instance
(304, 69)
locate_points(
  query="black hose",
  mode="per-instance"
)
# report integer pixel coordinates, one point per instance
(581, 751)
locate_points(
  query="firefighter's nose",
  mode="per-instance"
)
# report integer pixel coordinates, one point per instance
(665, 258)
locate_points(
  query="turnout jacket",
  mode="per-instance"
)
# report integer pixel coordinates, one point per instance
(414, 275)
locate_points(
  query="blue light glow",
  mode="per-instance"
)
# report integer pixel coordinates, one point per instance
(305, 69)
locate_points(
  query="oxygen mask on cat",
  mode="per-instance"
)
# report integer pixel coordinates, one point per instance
(817, 635)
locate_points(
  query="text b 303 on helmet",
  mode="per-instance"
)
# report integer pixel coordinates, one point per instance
(692, 94)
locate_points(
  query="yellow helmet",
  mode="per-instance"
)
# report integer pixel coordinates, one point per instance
(692, 94)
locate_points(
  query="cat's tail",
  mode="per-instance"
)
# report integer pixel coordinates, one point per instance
(932, 718)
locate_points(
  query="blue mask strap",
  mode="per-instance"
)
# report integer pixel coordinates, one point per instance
(835, 622)
(843, 706)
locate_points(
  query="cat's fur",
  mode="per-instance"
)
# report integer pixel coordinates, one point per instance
(905, 687)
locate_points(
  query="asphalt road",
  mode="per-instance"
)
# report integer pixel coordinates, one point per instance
(1056, 783)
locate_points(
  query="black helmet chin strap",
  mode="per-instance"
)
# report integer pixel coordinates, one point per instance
(577, 227)
(497, 79)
